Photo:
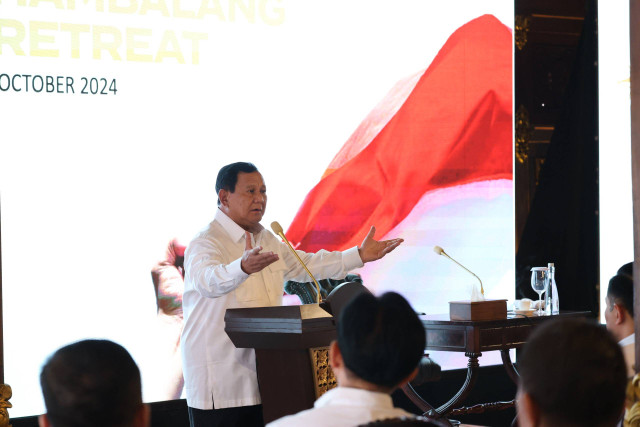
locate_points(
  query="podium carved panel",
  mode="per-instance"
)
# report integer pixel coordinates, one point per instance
(5, 395)
(323, 377)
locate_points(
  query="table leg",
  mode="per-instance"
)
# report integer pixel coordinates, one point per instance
(508, 366)
(472, 374)
(472, 371)
(481, 408)
(417, 400)
(477, 409)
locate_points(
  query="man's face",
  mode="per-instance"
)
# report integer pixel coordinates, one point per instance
(246, 205)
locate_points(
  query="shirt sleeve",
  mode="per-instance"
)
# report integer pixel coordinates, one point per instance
(206, 271)
(322, 264)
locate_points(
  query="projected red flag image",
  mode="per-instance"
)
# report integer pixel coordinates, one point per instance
(453, 128)
(437, 152)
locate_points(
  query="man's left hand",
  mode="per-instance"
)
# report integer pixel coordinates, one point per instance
(371, 250)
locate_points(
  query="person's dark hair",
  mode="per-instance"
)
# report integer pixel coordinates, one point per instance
(381, 339)
(620, 291)
(91, 383)
(626, 269)
(228, 176)
(575, 372)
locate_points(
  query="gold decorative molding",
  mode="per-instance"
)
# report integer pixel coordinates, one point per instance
(569, 18)
(632, 404)
(323, 378)
(521, 30)
(523, 134)
(5, 395)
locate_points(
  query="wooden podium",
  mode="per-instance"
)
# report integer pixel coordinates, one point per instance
(292, 360)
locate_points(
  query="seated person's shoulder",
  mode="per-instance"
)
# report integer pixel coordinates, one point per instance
(338, 416)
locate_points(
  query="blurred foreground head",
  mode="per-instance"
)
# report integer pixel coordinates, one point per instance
(380, 340)
(572, 373)
(92, 383)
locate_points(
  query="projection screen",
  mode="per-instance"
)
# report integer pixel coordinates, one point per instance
(117, 115)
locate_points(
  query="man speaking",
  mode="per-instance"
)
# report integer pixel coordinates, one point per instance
(235, 262)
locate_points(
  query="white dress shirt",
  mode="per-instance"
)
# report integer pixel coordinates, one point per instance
(628, 345)
(631, 339)
(216, 373)
(344, 407)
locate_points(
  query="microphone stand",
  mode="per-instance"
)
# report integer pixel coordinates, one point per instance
(275, 226)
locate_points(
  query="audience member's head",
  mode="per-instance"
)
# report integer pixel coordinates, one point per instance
(380, 342)
(626, 269)
(572, 373)
(619, 303)
(92, 383)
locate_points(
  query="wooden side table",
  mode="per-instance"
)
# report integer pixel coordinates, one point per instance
(472, 338)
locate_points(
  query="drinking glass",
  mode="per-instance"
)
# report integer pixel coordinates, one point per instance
(539, 283)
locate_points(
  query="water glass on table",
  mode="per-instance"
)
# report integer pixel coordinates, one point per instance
(539, 283)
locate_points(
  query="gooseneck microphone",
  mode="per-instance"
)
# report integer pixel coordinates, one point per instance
(277, 228)
(440, 251)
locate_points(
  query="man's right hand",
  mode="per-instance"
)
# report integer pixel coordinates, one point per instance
(254, 261)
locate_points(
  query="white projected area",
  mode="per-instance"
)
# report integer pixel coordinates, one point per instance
(616, 209)
(118, 114)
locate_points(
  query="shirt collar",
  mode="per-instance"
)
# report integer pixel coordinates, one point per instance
(628, 340)
(354, 397)
(234, 230)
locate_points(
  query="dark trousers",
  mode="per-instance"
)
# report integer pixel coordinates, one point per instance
(242, 416)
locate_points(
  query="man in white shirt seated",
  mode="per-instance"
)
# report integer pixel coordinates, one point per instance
(619, 314)
(380, 343)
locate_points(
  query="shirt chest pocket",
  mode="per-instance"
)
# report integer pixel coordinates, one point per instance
(265, 285)
(275, 273)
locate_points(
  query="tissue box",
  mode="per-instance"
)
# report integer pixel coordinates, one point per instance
(478, 310)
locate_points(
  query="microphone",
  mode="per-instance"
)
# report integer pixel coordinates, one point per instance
(277, 228)
(440, 251)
